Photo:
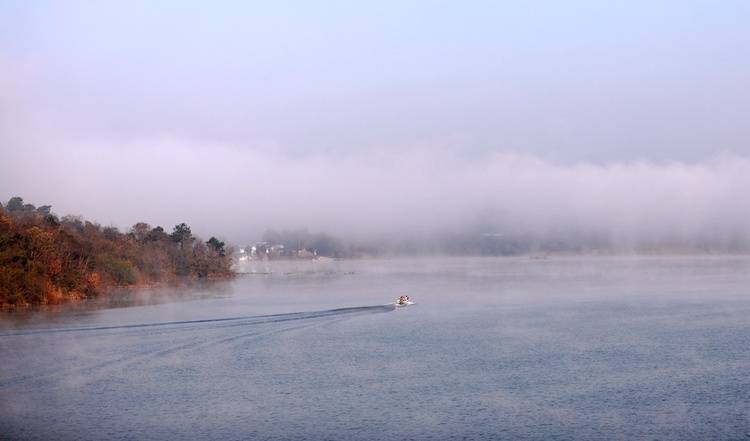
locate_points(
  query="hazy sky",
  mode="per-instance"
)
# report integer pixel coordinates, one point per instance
(373, 116)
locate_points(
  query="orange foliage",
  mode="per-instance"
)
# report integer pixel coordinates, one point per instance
(47, 260)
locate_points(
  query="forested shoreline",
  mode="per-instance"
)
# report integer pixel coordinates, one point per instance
(45, 259)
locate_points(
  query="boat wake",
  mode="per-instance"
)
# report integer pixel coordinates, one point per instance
(99, 356)
(244, 320)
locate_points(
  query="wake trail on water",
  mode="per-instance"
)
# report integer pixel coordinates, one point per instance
(190, 341)
(101, 369)
(237, 321)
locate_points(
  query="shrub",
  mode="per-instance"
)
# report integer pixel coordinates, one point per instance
(120, 271)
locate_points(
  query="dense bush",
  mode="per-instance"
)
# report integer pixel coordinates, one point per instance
(121, 271)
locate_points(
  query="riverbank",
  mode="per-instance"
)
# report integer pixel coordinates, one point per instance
(47, 260)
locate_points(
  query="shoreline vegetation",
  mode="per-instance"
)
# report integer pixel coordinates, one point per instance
(45, 259)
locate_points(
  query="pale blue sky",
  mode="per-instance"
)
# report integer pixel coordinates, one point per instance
(585, 80)
(396, 98)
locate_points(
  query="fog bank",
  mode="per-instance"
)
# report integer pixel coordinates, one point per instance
(241, 193)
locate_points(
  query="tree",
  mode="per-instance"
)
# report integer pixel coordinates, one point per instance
(216, 245)
(74, 221)
(15, 204)
(140, 231)
(181, 234)
(51, 220)
(157, 234)
(327, 245)
(200, 263)
(44, 209)
(111, 233)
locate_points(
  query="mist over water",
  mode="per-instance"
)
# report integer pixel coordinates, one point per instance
(568, 348)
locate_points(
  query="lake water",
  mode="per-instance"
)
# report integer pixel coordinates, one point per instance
(494, 348)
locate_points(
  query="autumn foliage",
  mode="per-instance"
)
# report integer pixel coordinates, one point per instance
(44, 259)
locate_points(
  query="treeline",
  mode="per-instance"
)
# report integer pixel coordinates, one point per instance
(320, 244)
(498, 241)
(467, 243)
(45, 259)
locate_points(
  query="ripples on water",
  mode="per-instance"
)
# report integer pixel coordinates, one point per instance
(576, 348)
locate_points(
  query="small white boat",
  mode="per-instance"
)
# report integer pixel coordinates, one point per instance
(401, 302)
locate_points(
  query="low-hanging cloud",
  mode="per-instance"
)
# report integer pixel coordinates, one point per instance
(238, 192)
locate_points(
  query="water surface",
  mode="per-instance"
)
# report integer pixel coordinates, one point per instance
(495, 348)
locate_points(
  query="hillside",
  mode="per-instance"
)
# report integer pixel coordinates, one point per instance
(45, 259)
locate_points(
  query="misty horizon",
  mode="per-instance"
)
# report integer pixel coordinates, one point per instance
(626, 122)
(619, 205)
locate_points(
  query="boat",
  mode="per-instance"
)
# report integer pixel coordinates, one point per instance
(404, 301)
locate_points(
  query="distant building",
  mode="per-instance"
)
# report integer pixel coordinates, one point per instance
(275, 251)
(267, 251)
(306, 254)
